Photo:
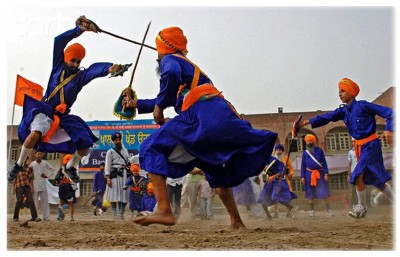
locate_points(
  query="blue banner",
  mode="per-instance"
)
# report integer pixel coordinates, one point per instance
(133, 133)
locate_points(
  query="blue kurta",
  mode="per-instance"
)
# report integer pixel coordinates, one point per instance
(276, 192)
(320, 191)
(99, 182)
(99, 186)
(225, 147)
(359, 117)
(80, 134)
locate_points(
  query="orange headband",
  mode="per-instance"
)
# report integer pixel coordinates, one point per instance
(76, 51)
(310, 137)
(67, 158)
(171, 40)
(349, 86)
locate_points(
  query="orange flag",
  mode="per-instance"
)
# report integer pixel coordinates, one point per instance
(26, 87)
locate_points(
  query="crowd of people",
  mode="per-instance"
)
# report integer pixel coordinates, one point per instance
(207, 139)
(265, 192)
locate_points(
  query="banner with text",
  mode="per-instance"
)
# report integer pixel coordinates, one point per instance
(133, 133)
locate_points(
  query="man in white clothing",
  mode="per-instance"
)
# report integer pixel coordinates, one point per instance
(116, 170)
(42, 170)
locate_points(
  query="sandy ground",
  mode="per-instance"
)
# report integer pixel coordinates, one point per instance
(89, 232)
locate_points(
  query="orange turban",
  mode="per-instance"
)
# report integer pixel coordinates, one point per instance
(171, 40)
(135, 167)
(349, 86)
(76, 51)
(66, 158)
(310, 137)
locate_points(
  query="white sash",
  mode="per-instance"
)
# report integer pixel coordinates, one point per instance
(312, 157)
(269, 166)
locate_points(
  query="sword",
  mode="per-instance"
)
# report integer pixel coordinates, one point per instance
(93, 195)
(136, 64)
(295, 130)
(126, 39)
(82, 20)
(140, 52)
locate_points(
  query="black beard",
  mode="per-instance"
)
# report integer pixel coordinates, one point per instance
(70, 70)
(118, 146)
(310, 148)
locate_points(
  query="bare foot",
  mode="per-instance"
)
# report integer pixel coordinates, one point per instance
(238, 226)
(155, 218)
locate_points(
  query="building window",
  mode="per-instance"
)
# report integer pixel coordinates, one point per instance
(52, 156)
(296, 185)
(338, 141)
(298, 145)
(14, 153)
(85, 187)
(384, 143)
(338, 181)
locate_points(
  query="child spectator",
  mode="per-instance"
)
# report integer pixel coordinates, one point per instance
(138, 186)
(66, 191)
(206, 194)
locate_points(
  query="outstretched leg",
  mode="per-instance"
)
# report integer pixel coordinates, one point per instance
(163, 215)
(227, 199)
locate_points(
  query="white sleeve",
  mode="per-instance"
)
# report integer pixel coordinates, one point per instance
(108, 162)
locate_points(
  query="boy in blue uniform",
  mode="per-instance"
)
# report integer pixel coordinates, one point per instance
(138, 186)
(359, 117)
(47, 124)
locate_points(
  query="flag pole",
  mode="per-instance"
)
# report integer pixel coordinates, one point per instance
(12, 123)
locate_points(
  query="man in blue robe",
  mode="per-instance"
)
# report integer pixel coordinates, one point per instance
(207, 133)
(47, 124)
(315, 175)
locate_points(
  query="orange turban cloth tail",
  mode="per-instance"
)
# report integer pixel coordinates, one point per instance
(171, 40)
(349, 86)
(310, 137)
(76, 51)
